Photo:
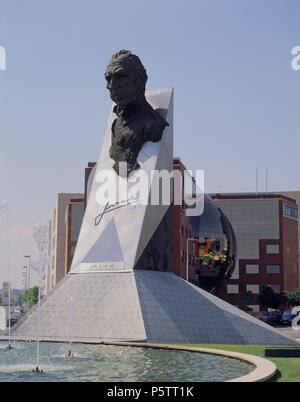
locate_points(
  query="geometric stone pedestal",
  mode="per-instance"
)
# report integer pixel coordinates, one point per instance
(143, 306)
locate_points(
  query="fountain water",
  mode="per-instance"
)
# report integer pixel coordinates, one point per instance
(40, 234)
(37, 369)
(116, 363)
(70, 320)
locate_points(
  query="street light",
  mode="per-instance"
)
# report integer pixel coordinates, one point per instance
(4, 224)
(28, 270)
(24, 276)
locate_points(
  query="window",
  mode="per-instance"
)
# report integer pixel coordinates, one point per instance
(290, 212)
(252, 269)
(273, 269)
(233, 289)
(272, 248)
(253, 288)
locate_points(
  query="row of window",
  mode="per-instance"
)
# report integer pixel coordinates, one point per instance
(254, 269)
(290, 212)
(235, 289)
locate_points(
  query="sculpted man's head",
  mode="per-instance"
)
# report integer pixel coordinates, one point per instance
(136, 120)
(126, 78)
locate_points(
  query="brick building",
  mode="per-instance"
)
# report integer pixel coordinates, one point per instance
(73, 220)
(57, 241)
(266, 228)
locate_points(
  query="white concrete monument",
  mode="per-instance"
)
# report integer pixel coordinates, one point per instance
(114, 236)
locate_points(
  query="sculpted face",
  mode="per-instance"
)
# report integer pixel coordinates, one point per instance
(122, 84)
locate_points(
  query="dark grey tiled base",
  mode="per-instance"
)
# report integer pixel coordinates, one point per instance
(144, 305)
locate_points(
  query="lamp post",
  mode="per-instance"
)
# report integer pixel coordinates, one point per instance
(24, 277)
(4, 224)
(28, 270)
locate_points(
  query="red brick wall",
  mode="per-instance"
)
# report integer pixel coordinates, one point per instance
(290, 253)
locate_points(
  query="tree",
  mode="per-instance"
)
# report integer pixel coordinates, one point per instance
(247, 298)
(293, 298)
(30, 296)
(283, 299)
(269, 299)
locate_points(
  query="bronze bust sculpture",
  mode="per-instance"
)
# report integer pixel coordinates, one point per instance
(137, 122)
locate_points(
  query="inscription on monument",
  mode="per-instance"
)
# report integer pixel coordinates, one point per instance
(105, 266)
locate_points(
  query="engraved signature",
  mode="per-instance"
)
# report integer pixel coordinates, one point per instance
(133, 200)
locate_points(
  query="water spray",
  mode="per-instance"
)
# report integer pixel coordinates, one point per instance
(37, 370)
(70, 353)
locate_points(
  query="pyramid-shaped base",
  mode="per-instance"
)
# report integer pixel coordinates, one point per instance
(143, 306)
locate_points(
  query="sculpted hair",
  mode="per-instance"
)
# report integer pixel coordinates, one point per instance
(132, 63)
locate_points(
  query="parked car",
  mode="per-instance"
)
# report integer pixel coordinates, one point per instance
(15, 316)
(273, 318)
(287, 318)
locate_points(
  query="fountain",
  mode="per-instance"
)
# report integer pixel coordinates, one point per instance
(116, 363)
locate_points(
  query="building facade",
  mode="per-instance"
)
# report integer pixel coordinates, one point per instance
(45, 278)
(296, 196)
(5, 293)
(57, 254)
(266, 228)
(73, 220)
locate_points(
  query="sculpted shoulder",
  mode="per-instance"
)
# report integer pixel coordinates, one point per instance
(154, 126)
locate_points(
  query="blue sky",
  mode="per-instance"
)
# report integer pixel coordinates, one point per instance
(236, 96)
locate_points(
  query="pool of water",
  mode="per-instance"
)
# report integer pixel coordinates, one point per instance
(113, 363)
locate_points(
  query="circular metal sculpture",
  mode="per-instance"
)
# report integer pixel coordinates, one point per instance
(216, 249)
